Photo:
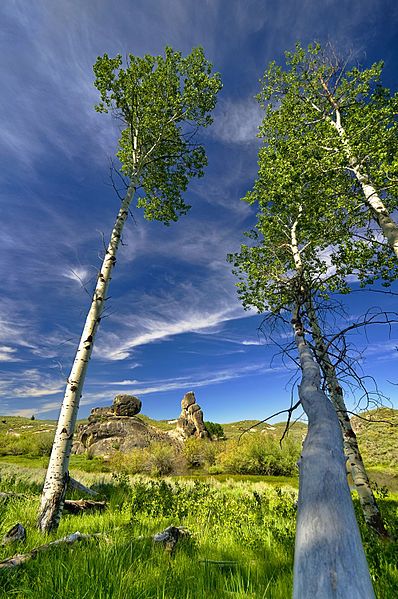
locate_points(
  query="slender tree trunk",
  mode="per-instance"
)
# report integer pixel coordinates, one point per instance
(329, 560)
(54, 490)
(380, 213)
(359, 475)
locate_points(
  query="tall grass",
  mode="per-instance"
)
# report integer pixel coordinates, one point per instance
(242, 543)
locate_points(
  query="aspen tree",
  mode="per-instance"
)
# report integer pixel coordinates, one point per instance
(282, 270)
(162, 102)
(276, 274)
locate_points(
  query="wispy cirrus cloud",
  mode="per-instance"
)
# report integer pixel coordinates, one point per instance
(8, 354)
(237, 121)
(119, 346)
(210, 377)
(30, 383)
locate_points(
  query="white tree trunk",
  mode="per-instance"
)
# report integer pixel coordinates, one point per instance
(380, 213)
(359, 475)
(53, 495)
(329, 560)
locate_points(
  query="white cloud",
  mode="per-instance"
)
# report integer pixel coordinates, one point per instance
(7, 354)
(32, 391)
(124, 383)
(78, 274)
(30, 382)
(185, 383)
(118, 346)
(237, 121)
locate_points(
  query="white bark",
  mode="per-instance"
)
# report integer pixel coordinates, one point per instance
(380, 213)
(19, 559)
(57, 473)
(359, 475)
(329, 560)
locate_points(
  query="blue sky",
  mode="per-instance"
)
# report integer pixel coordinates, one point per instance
(174, 322)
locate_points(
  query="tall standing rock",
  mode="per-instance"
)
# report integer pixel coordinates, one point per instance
(190, 422)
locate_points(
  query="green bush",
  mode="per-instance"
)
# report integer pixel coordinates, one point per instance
(200, 453)
(31, 444)
(215, 430)
(157, 460)
(258, 453)
(161, 459)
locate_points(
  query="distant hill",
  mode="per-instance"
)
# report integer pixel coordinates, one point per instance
(377, 432)
(233, 430)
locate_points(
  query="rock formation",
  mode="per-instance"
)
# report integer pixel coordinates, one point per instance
(116, 427)
(123, 405)
(190, 422)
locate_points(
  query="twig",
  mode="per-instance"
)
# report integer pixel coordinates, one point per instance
(290, 410)
(367, 419)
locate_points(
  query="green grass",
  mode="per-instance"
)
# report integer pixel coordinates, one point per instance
(278, 481)
(82, 463)
(242, 543)
(162, 424)
(379, 439)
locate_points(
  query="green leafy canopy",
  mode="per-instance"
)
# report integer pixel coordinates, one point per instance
(304, 176)
(162, 101)
(301, 145)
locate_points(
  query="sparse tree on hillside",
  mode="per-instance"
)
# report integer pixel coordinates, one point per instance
(162, 101)
(215, 430)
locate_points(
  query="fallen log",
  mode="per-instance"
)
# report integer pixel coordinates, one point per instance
(76, 506)
(19, 559)
(77, 486)
(170, 536)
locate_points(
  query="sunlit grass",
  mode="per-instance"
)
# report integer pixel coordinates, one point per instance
(242, 543)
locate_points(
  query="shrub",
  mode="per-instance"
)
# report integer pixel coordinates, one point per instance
(26, 444)
(158, 459)
(45, 444)
(200, 452)
(259, 454)
(215, 430)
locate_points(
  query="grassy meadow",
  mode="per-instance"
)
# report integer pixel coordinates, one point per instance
(241, 542)
(241, 523)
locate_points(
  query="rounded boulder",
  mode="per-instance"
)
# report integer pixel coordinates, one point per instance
(126, 405)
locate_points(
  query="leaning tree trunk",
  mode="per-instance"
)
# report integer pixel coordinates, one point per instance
(329, 560)
(359, 475)
(54, 490)
(380, 213)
